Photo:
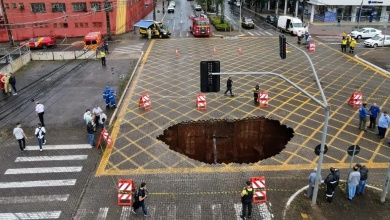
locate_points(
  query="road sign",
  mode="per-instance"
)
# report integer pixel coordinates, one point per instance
(352, 148)
(318, 148)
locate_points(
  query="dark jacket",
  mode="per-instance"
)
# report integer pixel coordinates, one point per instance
(90, 128)
(12, 80)
(229, 83)
(363, 173)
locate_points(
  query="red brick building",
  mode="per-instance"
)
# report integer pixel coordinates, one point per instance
(70, 18)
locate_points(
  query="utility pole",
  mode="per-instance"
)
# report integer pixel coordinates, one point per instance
(106, 7)
(10, 37)
(360, 14)
(154, 10)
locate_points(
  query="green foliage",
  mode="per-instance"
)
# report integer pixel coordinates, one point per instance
(216, 21)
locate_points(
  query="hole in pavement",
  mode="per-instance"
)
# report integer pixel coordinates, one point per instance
(216, 141)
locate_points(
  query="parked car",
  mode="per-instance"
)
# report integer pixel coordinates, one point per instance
(272, 19)
(238, 4)
(247, 22)
(40, 42)
(365, 33)
(172, 3)
(378, 41)
(171, 9)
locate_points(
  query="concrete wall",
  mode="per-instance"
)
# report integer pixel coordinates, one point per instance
(16, 64)
(350, 2)
(63, 55)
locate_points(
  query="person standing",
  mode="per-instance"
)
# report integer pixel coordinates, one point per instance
(105, 45)
(312, 181)
(344, 45)
(352, 45)
(246, 200)
(256, 92)
(111, 98)
(20, 136)
(338, 22)
(332, 181)
(299, 37)
(12, 82)
(229, 85)
(88, 117)
(374, 111)
(363, 179)
(102, 119)
(142, 194)
(106, 96)
(96, 112)
(40, 133)
(353, 181)
(7, 86)
(149, 32)
(103, 57)
(40, 109)
(91, 133)
(363, 117)
(383, 124)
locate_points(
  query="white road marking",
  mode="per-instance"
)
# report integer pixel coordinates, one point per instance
(30, 215)
(261, 33)
(264, 211)
(250, 33)
(126, 212)
(60, 147)
(196, 212)
(268, 33)
(44, 170)
(102, 215)
(39, 183)
(51, 158)
(33, 199)
(173, 28)
(238, 208)
(171, 212)
(217, 211)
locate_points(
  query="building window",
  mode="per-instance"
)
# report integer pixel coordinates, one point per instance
(14, 5)
(76, 25)
(6, 5)
(21, 5)
(64, 25)
(97, 24)
(38, 7)
(96, 5)
(55, 25)
(80, 6)
(108, 6)
(86, 24)
(58, 7)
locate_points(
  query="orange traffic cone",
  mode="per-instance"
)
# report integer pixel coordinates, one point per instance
(177, 53)
(214, 51)
(239, 51)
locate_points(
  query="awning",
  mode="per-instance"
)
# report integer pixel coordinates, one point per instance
(144, 23)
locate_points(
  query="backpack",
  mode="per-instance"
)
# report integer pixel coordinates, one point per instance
(43, 133)
(135, 196)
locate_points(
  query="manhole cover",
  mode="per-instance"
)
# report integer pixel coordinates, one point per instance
(246, 140)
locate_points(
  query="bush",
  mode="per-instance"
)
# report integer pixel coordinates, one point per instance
(216, 21)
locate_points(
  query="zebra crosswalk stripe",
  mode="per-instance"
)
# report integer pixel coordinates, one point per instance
(196, 212)
(238, 209)
(268, 33)
(39, 183)
(102, 215)
(43, 170)
(250, 33)
(51, 158)
(34, 199)
(126, 212)
(217, 211)
(60, 147)
(30, 215)
(171, 212)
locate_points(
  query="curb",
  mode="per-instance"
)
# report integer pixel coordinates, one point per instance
(372, 65)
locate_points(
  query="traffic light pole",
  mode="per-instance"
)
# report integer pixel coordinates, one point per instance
(323, 104)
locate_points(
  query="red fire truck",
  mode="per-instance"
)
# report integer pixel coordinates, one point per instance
(200, 26)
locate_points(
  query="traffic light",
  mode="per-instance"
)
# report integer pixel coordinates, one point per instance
(282, 46)
(209, 83)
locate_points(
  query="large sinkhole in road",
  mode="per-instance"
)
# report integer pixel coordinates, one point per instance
(246, 140)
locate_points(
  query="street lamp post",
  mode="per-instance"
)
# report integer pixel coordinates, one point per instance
(303, 8)
(239, 21)
(154, 9)
(360, 14)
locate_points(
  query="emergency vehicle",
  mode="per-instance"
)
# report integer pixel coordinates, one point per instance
(40, 42)
(93, 41)
(200, 25)
(157, 28)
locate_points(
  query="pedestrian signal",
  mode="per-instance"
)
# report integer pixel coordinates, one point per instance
(282, 46)
(209, 83)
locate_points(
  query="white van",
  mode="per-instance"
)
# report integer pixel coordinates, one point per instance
(290, 25)
(378, 41)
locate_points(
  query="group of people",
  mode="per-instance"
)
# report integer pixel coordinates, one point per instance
(40, 130)
(373, 112)
(356, 182)
(95, 119)
(348, 41)
(103, 52)
(305, 35)
(9, 81)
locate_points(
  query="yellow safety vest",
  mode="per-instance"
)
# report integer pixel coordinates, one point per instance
(344, 34)
(353, 43)
(344, 42)
(102, 54)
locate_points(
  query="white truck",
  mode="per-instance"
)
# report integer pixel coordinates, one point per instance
(290, 25)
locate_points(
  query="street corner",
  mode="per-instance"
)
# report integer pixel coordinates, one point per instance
(298, 206)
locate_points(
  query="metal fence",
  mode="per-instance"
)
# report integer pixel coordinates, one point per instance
(12, 60)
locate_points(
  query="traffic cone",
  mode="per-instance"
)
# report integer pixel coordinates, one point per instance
(239, 50)
(177, 53)
(214, 51)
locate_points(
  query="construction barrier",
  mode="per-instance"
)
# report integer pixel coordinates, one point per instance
(125, 192)
(201, 102)
(356, 99)
(312, 48)
(106, 137)
(263, 99)
(259, 189)
(144, 101)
